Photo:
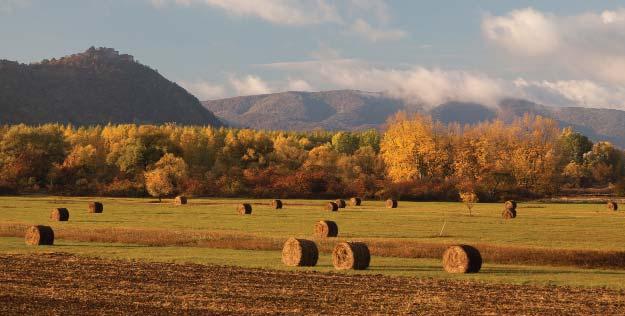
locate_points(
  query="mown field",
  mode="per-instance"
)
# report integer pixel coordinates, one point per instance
(542, 245)
(566, 226)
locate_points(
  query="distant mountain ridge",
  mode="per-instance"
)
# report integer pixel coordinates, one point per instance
(336, 110)
(98, 86)
(353, 110)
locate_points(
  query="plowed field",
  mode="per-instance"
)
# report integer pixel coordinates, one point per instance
(65, 284)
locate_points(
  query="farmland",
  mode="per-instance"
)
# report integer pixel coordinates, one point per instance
(578, 246)
(76, 285)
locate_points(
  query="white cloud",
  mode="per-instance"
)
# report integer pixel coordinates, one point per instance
(429, 87)
(286, 12)
(526, 32)
(204, 90)
(299, 85)
(582, 93)
(249, 85)
(365, 18)
(589, 45)
(364, 29)
(416, 84)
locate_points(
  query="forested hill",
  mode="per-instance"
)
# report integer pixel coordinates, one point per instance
(98, 86)
(331, 110)
(355, 110)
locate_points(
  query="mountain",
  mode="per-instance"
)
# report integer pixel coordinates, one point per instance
(353, 110)
(95, 87)
(597, 124)
(335, 110)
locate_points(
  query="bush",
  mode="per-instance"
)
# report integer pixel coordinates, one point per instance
(121, 188)
(619, 188)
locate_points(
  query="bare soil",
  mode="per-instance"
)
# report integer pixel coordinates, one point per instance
(55, 284)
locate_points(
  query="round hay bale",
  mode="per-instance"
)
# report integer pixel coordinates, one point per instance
(351, 255)
(96, 207)
(39, 235)
(180, 200)
(300, 253)
(510, 205)
(331, 206)
(391, 203)
(340, 203)
(462, 259)
(325, 229)
(612, 206)
(245, 209)
(60, 214)
(355, 201)
(508, 214)
(276, 204)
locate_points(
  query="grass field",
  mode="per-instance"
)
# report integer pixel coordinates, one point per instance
(544, 226)
(572, 226)
(421, 268)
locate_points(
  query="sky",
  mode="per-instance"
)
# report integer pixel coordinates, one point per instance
(558, 52)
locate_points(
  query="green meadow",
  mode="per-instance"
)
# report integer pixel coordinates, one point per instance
(569, 226)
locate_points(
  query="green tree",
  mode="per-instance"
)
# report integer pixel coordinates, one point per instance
(370, 138)
(574, 146)
(345, 142)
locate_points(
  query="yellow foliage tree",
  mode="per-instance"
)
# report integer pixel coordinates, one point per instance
(158, 183)
(415, 148)
(166, 175)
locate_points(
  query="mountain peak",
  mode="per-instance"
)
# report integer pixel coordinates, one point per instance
(97, 86)
(100, 55)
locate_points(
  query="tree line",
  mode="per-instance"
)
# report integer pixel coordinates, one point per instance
(414, 158)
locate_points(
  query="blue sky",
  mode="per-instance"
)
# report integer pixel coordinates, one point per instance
(561, 52)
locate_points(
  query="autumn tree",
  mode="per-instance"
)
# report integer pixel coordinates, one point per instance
(165, 176)
(414, 157)
(158, 183)
(289, 151)
(535, 157)
(27, 154)
(415, 148)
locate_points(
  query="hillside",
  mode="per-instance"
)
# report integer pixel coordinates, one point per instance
(353, 110)
(95, 87)
(334, 110)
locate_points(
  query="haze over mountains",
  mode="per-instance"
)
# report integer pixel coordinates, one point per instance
(98, 86)
(353, 110)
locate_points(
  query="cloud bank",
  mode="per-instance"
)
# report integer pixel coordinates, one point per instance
(416, 84)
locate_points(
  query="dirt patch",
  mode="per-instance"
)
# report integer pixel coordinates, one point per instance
(36, 285)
